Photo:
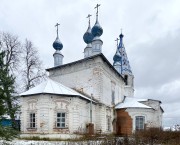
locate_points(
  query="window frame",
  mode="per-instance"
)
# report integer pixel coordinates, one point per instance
(108, 123)
(139, 122)
(32, 120)
(60, 117)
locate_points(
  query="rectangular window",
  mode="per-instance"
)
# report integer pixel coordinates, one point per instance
(108, 123)
(126, 79)
(140, 120)
(113, 97)
(32, 120)
(61, 118)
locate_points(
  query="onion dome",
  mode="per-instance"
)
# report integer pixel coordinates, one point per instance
(57, 44)
(121, 35)
(121, 40)
(97, 29)
(88, 36)
(117, 56)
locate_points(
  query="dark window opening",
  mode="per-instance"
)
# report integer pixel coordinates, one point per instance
(61, 120)
(32, 120)
(126, 79)
(113, 97)
(108, 123)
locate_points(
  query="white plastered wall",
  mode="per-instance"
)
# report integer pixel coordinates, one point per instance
(149, 114)
(46, 107)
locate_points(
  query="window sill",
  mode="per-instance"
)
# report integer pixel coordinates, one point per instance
(32, 129)
(60, 128)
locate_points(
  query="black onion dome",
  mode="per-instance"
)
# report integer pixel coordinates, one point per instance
(57, 44)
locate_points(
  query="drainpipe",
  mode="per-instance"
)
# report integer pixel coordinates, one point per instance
(91, 109)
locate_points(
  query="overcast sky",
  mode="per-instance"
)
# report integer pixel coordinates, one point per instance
(151, 31)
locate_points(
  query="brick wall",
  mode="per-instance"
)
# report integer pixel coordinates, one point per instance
(123, 123)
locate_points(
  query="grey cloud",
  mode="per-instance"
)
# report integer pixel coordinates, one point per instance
(157, 63)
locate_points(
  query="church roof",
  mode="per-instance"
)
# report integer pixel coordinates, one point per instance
(86, 59)
(131, 103)
(145, 100)
(52, 87)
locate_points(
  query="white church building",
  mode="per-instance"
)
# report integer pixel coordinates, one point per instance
(89, 95)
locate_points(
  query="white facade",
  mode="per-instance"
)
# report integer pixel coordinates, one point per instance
(46, 108)
(93, 76)
(152, 118)
(144, 113)
(62, 105)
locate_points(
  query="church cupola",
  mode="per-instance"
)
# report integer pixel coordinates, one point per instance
(88, 37)
(97, 31)
(117, 59)
(121, 40)
(125, 66)
(58, 57)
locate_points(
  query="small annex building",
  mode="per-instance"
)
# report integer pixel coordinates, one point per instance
(89, 95)
(137, 114)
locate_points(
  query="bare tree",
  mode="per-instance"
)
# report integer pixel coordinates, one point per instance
(12, 48)
(33, 73)
(21, 59)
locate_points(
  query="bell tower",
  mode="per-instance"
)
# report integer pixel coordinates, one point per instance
(122, 65)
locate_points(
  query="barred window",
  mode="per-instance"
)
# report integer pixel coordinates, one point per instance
(140, 120)
(32, 120)
(61, 120)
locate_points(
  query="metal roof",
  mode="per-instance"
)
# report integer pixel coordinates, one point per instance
(129, 102)
(52, 87)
